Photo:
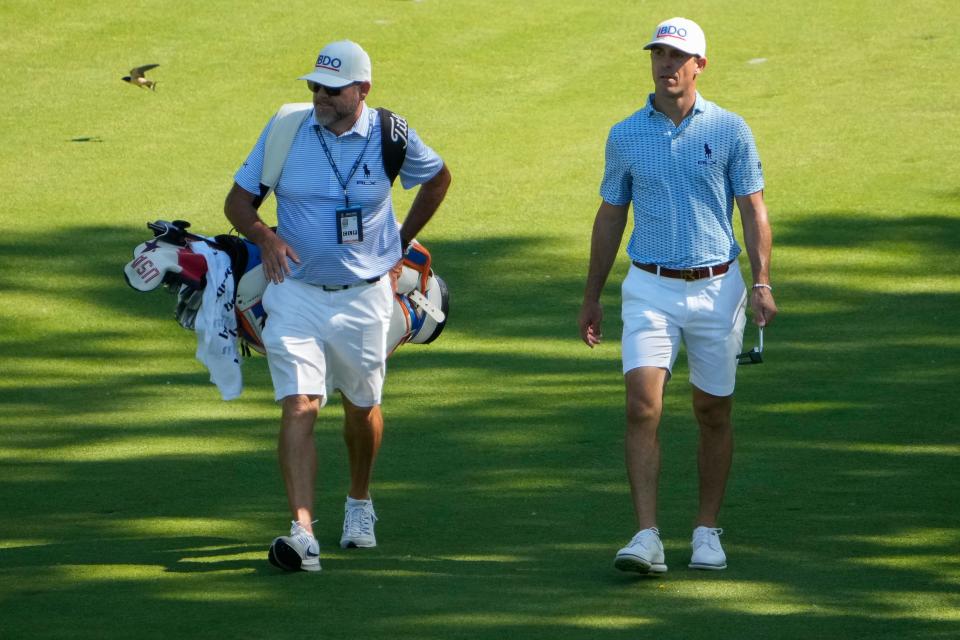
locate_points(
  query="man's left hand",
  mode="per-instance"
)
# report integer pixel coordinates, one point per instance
(763, 306)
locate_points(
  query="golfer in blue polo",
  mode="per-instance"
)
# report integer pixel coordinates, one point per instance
(682, 162)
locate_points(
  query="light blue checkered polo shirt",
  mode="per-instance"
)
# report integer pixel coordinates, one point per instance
(681, 180)
(308, 194)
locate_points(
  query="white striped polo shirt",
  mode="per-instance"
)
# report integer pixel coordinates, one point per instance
(309, 193)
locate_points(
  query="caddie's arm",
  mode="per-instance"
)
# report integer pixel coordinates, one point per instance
(759, 241)
(429, 196)
(605, 241)
(274, 252)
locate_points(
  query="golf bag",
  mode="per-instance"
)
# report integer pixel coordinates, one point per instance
(420, 308)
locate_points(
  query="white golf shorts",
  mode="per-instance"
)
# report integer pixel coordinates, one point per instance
(320, 341)
(707, 315)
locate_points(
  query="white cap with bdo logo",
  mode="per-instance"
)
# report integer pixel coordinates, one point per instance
(680, 33)
(339, 64)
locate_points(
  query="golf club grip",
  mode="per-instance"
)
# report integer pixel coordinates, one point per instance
(162, 227)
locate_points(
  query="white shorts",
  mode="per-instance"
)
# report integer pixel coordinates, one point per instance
(708, 315)
(320, 341)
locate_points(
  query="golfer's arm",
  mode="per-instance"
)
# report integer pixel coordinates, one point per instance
(756, 235)
(608, 229)
(425, 204)
(239, 210)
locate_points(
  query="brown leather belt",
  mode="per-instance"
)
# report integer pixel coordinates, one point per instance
(696, 273)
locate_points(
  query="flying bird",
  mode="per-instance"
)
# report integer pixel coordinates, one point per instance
(137, 79)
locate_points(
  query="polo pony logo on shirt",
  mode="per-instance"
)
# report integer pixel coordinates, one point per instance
(367, 179)
(707, 154)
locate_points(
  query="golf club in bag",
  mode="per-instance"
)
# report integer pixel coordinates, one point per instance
(421, 303)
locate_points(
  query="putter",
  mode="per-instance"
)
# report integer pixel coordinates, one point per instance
(755, 355)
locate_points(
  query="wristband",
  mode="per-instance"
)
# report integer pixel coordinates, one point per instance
(761, 285)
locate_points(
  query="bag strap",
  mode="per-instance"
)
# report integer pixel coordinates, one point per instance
(286, 123)
(393, 140)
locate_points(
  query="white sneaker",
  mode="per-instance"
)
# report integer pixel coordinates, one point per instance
(707, 552)
(299, 551)
(644, 553)
(358, 519)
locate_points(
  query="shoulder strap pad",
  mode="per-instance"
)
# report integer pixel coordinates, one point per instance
(393, 140)
(286, 123)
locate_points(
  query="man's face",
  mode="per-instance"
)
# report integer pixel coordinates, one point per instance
(330, 109)
(674, 72)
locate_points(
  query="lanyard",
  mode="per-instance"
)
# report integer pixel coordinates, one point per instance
(333, 165)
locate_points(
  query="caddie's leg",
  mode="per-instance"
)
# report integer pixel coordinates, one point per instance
(715, 452)
(642, 441)
(362, 431)
(298, 455)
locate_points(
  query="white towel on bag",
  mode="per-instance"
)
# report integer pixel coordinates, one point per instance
(216, 323)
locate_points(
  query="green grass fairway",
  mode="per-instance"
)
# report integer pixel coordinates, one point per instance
(136, 504)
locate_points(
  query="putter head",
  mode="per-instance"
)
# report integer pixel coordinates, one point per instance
(755, 355)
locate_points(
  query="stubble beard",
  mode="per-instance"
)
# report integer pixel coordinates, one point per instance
(335, 113)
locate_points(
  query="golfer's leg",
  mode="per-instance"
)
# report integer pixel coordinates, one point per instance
(715, 452)
(362, 431)
(298, 455)
(642, 441)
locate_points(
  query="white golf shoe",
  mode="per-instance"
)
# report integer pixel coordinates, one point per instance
(299, 551)
(707, 552)
(644, 553)
(358, 519)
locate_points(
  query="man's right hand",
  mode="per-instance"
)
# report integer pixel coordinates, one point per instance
(590, 319)
(274, 254)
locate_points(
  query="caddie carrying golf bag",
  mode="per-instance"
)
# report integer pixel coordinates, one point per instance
(175, 260)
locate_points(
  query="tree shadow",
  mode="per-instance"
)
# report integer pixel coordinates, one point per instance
(500, 486)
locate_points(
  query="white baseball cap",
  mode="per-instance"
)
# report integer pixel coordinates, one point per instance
(339, 64)
(680, 33)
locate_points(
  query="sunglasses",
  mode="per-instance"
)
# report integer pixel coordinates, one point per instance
(755, 355)
(330, 91)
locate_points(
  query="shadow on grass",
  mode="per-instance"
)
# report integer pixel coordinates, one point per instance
(500, 486)
(934, 237)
